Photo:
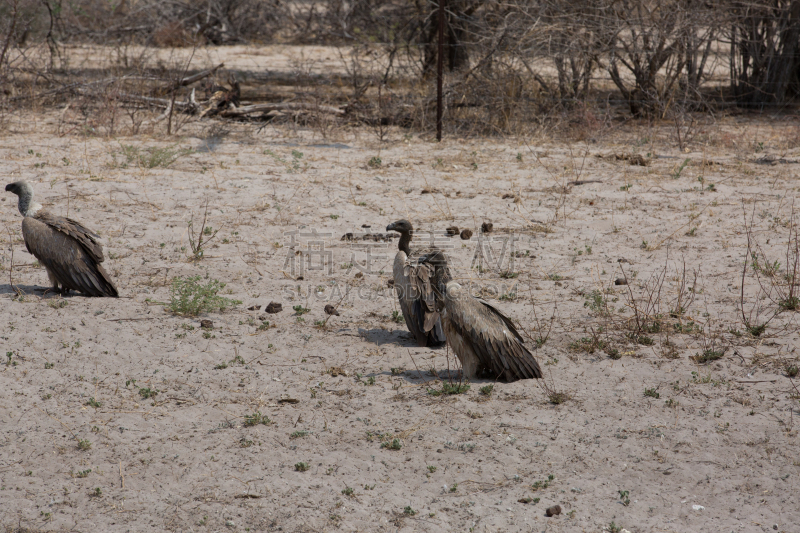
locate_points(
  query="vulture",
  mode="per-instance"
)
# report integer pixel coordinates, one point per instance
(414, 290)
(484, 339)
(69, 252)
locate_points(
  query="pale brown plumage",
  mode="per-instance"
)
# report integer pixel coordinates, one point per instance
(69, 251)
(414, 290)
(484, 339)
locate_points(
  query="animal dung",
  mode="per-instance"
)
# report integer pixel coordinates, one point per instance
(331, 310)
(254, 308)
(553, 511)
(206, 324)
(620, 281)
(466, 234)
(452, 230)
(274, 307)
(487, 227)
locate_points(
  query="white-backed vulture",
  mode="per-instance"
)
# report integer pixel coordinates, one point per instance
(414, 290)
(69, 252)
(484, 339)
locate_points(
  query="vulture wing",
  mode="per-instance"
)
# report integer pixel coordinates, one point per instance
(69, 252)
(417, 301)
(482, 330)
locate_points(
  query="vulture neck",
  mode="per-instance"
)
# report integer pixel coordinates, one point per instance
(27, 207)
(405, 240)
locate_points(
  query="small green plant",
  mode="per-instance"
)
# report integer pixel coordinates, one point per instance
(147, 392)
(221, 366)
(614, 353)
(508, 274)
(298, 434)
(409, 511)
(151, 157)
(486, 390)
(256, 419)
(397, 316)
(371, 380)
(624, 495)
(57, 304)
(756, 330)
(557, 398)
(396, 371)
(394, 444)
(677, 172)
(190, 297)
(431, 469)
(348, 491)
(299, 310)
(301, 466)
(653, 393)
(84, 444)
(203, 522)
(449, 388)
(93, 403)
(48, 366)
(555, 277)
(708, 355)
(596, 302)
(536, 500)
(97, 492)
(792, 303)
(542, 484)
(83, 473)
(454, 487)
(626, 187)
(613, 528)
(792, 371)
(375, 162)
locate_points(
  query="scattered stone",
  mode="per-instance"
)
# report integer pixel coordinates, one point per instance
(452, 230)
(206, 324)
(698, 507)
(620, 281)
(274, 307)
(466, 234)
(331, 310)
(487, 227)
(553, 511)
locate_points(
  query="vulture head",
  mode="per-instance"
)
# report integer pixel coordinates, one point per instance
(23, 189)
(401, 226)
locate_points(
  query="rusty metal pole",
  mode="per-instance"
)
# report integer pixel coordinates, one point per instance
(439, 73)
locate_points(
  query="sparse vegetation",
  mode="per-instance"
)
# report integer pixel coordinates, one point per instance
(189, 296)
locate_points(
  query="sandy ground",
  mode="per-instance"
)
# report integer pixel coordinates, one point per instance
(712, 448)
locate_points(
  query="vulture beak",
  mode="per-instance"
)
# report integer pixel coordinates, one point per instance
(10, 187)
(390, 227)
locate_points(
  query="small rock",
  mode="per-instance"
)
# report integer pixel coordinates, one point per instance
(390, 283)
(229, 523)
(775, 527)
(206, 324)
(466, 234)
(274, 307)
(452, 230)
(620, 281)
(553, 511)
(347, 237)
(367, 226)
(698, 507)
(254, 308)
(331, 310)
(487, 227)
(358, 275)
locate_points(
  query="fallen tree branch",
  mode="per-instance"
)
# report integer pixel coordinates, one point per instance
(187, 80)
(290, 106)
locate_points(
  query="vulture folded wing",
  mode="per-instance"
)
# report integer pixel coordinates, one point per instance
(417, 301)
(492, 337)
(68, 259)
(84, 236)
